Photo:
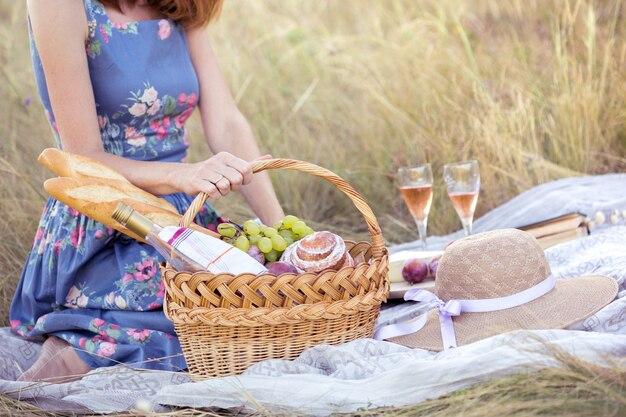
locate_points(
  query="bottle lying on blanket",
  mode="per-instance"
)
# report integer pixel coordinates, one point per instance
(186, 249)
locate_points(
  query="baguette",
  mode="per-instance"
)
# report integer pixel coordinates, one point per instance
(70, 165)
(66, 164)
(97, 199)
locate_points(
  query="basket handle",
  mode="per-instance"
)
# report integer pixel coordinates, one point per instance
(378, 244)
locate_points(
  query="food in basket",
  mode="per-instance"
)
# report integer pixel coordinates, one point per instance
(318, 252)
(256, 253)
(186, 249)
(279, 268)
(280, 318)
(270, 241)
(290, 246)
(415, 271)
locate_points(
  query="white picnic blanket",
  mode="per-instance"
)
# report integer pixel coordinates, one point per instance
(368, 373)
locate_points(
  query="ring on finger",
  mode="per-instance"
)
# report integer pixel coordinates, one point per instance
(214, 182)
(224, 181)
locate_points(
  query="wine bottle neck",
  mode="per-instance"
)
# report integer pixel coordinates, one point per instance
(135, 221)
(141, 225)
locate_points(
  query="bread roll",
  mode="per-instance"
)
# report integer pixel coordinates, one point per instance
(318, 252)
(97, 199)
(66, 164)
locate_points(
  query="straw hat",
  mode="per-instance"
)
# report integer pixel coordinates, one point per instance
(498, 264)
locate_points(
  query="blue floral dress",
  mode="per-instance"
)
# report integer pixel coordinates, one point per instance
(83, 282)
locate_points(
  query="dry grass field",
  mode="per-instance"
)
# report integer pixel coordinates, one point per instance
(534, 89)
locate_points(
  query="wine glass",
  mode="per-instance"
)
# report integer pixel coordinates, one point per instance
(416, 186)
(463, 183)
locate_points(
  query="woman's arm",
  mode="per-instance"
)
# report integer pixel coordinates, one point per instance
(226, 129)
(60, 29)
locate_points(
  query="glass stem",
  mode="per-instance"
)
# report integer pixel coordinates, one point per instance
(467, 225)
(421, 228)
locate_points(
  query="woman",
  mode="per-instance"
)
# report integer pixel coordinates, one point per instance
(118, 80)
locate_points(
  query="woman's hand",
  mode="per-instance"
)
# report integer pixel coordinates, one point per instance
(216, 177)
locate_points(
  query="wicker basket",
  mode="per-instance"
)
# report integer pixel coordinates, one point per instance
(225, 323)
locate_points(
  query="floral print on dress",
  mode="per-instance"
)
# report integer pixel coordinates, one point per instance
(106, 28)
(110, 133)
(19, 328)
(77, 297)
(141, 288)
(157, 122)
(74, 227)
(165, 29)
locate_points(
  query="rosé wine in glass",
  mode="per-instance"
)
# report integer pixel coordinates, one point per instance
(418, 200)
(416, 186)
(464, 204)
(463, 183)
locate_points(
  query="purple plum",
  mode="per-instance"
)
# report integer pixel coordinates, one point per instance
(256, 253)
(414, 271)
(433, 265)
(279, 268)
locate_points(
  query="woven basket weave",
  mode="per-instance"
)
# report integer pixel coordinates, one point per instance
(225, 323)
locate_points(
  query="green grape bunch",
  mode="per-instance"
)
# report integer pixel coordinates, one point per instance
(267, 241)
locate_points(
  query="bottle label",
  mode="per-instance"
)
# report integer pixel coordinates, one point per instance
(216, 255)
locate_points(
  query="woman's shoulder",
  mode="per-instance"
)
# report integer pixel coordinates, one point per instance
(58, 16)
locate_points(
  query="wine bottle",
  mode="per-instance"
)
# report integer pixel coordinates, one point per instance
(187, 249)
(149, 231)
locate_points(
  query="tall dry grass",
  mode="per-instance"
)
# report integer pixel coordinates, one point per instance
(534, 89)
